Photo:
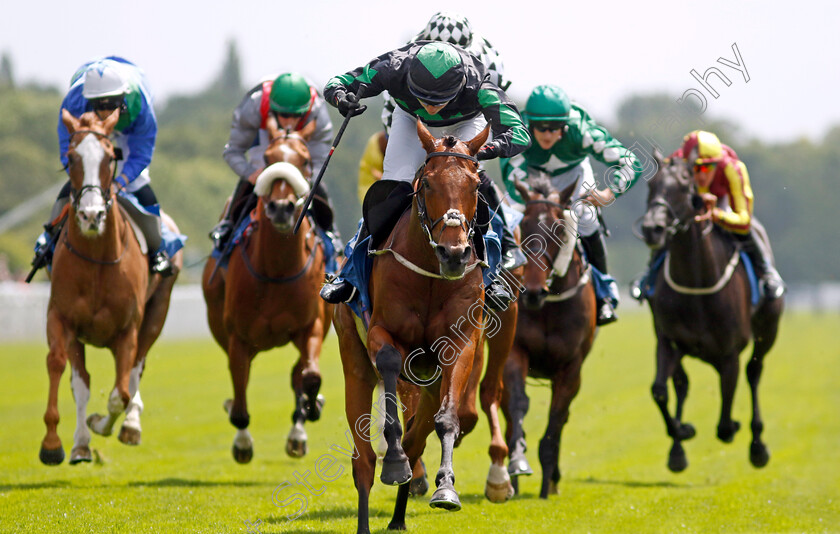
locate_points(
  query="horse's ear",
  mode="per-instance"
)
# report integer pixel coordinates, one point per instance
(70, 122)
(522, 189)
(426, 138)
(111, 121)
(478, 141)
(308, 131)
(271, 127)
(566, 194)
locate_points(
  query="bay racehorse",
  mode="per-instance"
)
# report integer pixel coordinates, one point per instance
(101, 294)
(701, 306)
(268, 294)
(556, 327)
(421, 284)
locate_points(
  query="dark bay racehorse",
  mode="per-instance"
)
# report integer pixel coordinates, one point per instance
(556, 327)
(418, 291)
(268, 295)
(701, 307)
(101, 294)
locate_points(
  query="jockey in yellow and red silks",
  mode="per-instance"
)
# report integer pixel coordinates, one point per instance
(719, 174)
(717, 170)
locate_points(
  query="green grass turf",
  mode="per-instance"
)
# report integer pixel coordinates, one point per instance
(182, 478)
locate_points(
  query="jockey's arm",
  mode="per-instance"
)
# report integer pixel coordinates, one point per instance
(510, 136)
(740, 199)
(624, 167)
(244, 129)
(141, 135)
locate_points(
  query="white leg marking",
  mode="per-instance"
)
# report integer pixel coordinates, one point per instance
(81, 394)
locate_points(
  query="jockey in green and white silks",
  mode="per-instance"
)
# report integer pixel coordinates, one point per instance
(449, 90)
(565, 137)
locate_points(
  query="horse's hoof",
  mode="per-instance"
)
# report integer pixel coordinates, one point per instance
(242, 456)
(80, 454)
(418, 486)
(447, 499)
(514, 483)
(296, 448)
(686, 431)
(395, 473)
(553, 489)
(51, 457)
(759, 455)
(498, 492)
(396, 526)
(130, 436)
(677, 461)
(727, 433)
(93, 422)
(519, 467)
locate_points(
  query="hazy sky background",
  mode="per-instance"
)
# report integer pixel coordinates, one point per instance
(600, 52)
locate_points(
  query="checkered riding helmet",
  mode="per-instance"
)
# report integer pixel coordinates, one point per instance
(449, 27)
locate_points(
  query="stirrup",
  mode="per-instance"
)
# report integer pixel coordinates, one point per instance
(774, 286)
(220, 231)
(161, 264)
(636, 288)
(606, 313)
(497, 297)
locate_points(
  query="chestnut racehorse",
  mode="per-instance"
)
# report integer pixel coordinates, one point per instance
(268, 295)
(421, 284)
(556, 327)
(101, 294)
(701, 306)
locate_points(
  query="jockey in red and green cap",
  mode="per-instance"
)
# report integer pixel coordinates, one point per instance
(294, 103)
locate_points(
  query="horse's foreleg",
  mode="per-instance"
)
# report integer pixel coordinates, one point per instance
(240, 355)
(667, 360)
(409, 395)
(728, 370)
(80, 384)
(498, 487)
(131, 431)
(125, 353)
(765, 328)
(565, 387)
(306, 383)
(467, 411)
(422, 424)
(395, 467)
(516, 370)
(51, 451)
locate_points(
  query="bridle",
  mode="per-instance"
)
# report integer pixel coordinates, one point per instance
(452, 217)
(76, 195)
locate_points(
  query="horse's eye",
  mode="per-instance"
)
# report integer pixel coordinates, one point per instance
(425, 182)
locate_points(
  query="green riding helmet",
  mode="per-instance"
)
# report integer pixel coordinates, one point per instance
(290, 94)
(548, 103)
(436, 74)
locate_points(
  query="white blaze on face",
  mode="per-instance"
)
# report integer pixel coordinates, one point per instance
(92, 202)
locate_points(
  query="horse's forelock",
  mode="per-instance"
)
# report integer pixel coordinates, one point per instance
(450, 141)
(540, 184)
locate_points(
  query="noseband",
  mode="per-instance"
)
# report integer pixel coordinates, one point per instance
(452, 217)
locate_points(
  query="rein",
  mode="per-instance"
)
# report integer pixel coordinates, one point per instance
(451, 218)
(243, 250)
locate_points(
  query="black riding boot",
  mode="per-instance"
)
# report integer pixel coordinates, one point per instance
(159, 260)
(512, 256)
(596, 252)
(221, 232)
(339, 290)
(774, 286)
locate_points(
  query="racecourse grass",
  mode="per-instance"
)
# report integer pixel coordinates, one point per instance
(182, 478)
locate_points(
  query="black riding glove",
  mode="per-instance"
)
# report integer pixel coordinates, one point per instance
(348, 103)
(488, 151)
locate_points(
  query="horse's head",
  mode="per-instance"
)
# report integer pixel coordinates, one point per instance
(543, 236)
(447, 197)
(289, 146)
(282, 189)
(672, 202)
(89, 157)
